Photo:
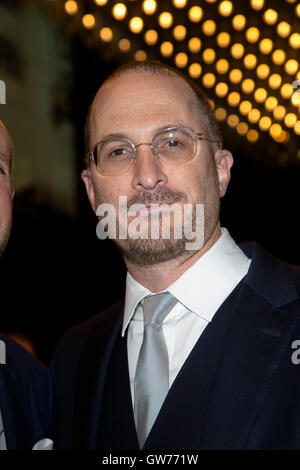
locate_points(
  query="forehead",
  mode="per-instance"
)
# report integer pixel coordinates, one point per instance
(5, 143)
(142, 100)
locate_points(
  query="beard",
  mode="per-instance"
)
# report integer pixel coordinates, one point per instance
(4, 236)
(149, 251)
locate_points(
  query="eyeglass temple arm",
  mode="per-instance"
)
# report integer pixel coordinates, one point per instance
(200, 136)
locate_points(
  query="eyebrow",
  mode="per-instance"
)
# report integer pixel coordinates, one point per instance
(120, 135)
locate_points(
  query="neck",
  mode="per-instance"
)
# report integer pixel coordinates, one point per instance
(160, 276)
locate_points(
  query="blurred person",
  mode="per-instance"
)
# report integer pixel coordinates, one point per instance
(203, 351)
(25, 385)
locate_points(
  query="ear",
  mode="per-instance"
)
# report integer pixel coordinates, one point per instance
(12, 193)
(224, 162)
(89, 186)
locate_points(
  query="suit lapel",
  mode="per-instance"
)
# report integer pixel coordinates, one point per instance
(91, 378)
(259, 336)
(13, 411)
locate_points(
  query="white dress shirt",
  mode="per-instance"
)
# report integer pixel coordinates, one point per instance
(200, 291)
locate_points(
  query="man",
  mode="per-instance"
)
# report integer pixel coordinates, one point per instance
(25, 387)
(216, 368)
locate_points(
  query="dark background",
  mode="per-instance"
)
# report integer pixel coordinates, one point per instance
(56, 273)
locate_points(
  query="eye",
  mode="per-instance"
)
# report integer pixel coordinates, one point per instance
(173, 143)
(119, 152)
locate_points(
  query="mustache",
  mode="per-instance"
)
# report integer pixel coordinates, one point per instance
(160, 196)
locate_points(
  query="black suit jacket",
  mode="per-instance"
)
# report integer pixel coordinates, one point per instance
(25, 397)
(256, 399)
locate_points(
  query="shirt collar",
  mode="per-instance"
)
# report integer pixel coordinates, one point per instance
(204, 286)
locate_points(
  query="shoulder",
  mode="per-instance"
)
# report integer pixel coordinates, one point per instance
(70, 346)
(19, 361)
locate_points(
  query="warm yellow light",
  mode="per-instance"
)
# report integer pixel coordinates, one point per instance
(209, 56)
(211, 1)
(263, 71)
(283, 29)
(233, 120)
(291, 66)
(279, 112)
(136, 24)
(149, 7)
(257, 4)
(165, 20)
(266, 46)
(295, 99)
(195, 14)
(195, 70)
(248, 85)
(208, 80)
(221, 89)
(260, 95)
(237, 50)
(250, 61)
(179, 3)
(181, 59)
(278, 57)
(275, 130)
(254, 115)
(209, 27)
(223, 39)
(124, 45)
(222, 66)
(286, 91)
(220, 114)
(166, 49)
(239, 22)
(100, 3)
(290, 120)
(88, 21)
(297, 130)
(140, 55)
(252, 34)
(270, 16)
(151, 37)
(179, 32)
(252, 136)
(294, 40)
(271, 103)
(211, 104)
(106, 34)
(194, 45)
(119, 11)
(297, 10)
(275, 81)
(71, 7)
(225, 8)
(245, 107)
(265, 123)
(235, 75)
(242, 128)
(233, 98)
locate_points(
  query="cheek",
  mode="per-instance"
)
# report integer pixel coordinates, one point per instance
(5, 203)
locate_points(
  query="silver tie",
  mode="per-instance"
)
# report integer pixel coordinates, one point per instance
(151, 383)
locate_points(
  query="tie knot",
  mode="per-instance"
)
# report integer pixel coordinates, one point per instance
(156, 307)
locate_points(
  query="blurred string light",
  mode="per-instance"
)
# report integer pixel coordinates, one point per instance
(246, 60)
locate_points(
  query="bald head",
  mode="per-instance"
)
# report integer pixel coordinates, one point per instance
(129, 72)
(6, 191)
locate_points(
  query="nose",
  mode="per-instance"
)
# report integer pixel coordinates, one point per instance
(148, 173)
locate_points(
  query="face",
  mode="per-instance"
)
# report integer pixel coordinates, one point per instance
(137, 105)
(6, 192)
